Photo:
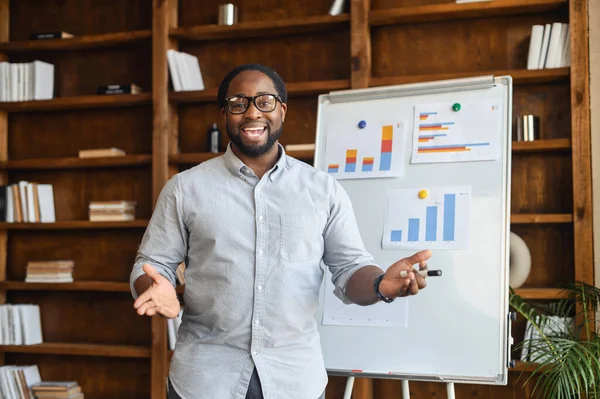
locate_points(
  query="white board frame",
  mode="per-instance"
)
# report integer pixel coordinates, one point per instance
(504, 342)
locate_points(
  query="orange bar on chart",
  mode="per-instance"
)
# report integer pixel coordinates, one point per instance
(387, 132)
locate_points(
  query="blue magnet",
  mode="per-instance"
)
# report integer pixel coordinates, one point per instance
(362, 124)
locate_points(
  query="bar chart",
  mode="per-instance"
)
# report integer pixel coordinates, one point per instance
(440, 220)
(364, 153)
(467, 133)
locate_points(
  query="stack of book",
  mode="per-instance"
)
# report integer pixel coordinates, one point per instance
(101, 153)
(57, 389)
(20, 324)
(185, 71)
(52, 271)
(27, 202)
(112, 211)
(26, 81)
(549, 46)
(16, 381)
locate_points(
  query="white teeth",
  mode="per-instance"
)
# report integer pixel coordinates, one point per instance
(253, 131)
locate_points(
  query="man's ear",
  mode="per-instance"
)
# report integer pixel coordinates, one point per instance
(283, 111)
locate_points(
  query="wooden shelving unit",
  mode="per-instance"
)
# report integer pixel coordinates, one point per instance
(372, 44)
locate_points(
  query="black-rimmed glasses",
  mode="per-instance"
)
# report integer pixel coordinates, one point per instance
(263, 102)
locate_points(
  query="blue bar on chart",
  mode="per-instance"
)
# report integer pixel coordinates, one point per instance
(449, 216)
(396, 236)
(431, 224)
(413, 229)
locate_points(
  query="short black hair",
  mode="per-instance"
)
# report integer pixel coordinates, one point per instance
(274, 76)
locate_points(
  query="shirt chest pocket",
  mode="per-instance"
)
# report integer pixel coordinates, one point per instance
(301, 237)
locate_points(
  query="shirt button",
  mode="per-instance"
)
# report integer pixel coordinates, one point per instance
(255, 353)
(260, 251)
(259, 288)
(260, 217)
(256, 322)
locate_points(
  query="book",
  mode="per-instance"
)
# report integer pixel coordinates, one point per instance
(101, 153)
(130, 88)
(51, 35)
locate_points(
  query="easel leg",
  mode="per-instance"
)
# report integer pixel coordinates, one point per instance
(349, 385)
(405, 391)
(450, 390)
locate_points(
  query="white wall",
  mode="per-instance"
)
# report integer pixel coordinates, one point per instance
(594, 28)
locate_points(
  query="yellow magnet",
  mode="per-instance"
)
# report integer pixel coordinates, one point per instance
(423, 194)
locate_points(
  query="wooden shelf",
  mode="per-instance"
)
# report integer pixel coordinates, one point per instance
(525, 367)
(77, 42)
(450, 11)
(520, 76)
(74, 224)
(532, 218)
(293, 89)
(106, 286)
(77, 163)
(78, 102)
(80, 349)
(252, 29)
(542, 293)
(541, 145)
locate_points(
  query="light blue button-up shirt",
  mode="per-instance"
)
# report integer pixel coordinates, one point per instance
(254, 250)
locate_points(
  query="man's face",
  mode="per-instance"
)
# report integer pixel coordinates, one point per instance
(254, 132)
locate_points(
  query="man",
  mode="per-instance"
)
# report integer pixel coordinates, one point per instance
(253, 227)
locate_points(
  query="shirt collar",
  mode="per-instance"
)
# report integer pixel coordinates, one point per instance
(237, 167)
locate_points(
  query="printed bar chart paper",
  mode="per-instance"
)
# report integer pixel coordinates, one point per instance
(439, 221)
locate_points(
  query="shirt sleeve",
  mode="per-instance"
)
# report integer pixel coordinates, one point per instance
(165, 241)
(345, 252)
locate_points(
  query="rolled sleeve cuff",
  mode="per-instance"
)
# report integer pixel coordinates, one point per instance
(344, 277)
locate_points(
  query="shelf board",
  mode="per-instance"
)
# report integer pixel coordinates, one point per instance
(542, 293)
(76, 163)
(251, 29)
(451, 11)
(520, 76)
(531, 218)
(77, 42)
(541, 145)
(293, 89)
(106, 286)
(80, 349)
(525, 367)
(78, 102)
(74, 224)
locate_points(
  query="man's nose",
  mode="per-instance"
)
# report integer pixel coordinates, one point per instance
(252, 112)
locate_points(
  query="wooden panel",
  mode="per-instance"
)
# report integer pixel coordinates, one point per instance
(480, 45)
(81, 72)
(77, 163)
(83, 317)
(385, 4)
(541, 146)
(262, 28)
(64, 134)
(329, 56)
(360, 44)
(80, 349)
(537, 177)
(99, 378)
(78, 17)
(444, 12)
(250, 10)
(550, 102)
(73, 190)
(195, 120)
(551, 254)
(77, 42)
(98, 255)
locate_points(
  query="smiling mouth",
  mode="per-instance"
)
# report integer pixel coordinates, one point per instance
(253, 132)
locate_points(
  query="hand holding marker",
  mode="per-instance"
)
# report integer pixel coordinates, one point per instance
(423, 273)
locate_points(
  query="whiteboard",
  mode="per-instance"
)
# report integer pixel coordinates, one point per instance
(457, 329)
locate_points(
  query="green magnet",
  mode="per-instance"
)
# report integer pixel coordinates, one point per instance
(456, 107)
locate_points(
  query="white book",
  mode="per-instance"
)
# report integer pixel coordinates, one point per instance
(565, 56)
(32, 324)
(193, 69)
(46, 203)
(554, 45)
(544, 49)
(43, 80)
(3, 89)
(17, 333)
(535, 46)
(10, 210)
(23, 195)
(14, 86)
(184, 74)
(174, 70)
(336, 7)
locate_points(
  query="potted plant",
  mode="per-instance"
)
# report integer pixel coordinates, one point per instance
(564, 343)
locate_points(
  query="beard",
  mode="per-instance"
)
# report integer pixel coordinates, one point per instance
(254, 150)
